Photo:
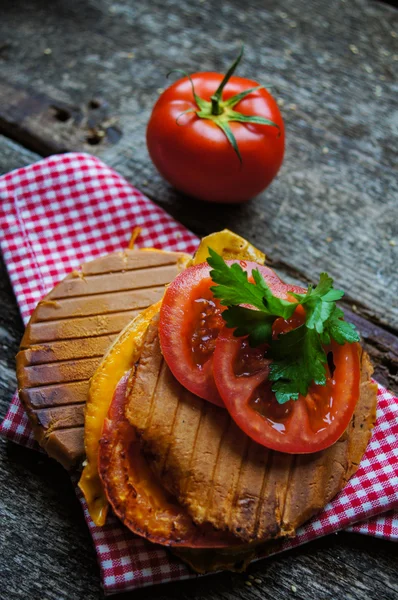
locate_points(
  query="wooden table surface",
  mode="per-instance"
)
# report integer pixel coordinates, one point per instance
(84, 75)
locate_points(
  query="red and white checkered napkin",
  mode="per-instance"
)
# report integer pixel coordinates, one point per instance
(71, 208)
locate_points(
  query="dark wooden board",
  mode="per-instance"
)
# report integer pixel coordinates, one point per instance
(333, 206)
(39, 506)
(332, 64)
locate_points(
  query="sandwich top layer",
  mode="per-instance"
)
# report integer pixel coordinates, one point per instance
(220, 475)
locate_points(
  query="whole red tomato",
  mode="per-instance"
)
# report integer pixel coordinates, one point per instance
(217, 138)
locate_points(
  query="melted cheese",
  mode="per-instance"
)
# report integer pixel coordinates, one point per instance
(229, 245)
(120, 358)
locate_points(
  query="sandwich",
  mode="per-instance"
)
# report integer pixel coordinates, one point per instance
(227, 412)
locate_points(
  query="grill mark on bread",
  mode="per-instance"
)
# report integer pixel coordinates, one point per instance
(59, 372)
(160, 422)
(163, 462)
(80, 327)
(55, 395)
(69, 348)
(201, 413)
(270, 517)
(110, 302)
(79, 285)
(54, 433)
(227, 468)
(260, 504)
(46, 385)
(47, 353)
(33, 365)
(291, 467)
(211, 487)
(229, 518)
(188, 480)
(73, 339)
(189, 411)
(89, 316)
(67, 430)
(208, 442)
(250, 483)
(152, 406)
(95, 295)
(119, 261)
(60, 417)
(142, 389)
(106, 272)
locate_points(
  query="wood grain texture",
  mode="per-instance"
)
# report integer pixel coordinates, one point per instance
(333, 206)
(343, 566)
(13, 155)
(332, 65)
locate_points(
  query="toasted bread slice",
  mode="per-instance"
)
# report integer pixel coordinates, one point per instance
(70, 330)
(219, 474)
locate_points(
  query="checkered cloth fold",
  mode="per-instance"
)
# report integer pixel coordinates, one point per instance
(71, 208)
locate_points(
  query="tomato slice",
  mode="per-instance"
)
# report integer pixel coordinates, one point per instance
(190, 321)
(311, 423)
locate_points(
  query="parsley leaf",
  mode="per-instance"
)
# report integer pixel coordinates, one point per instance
(253, 323)
(272, 304)
(319, 302)
(233, 286)
(234, 289)
(339, 330)
(298, 361)
(298, 356)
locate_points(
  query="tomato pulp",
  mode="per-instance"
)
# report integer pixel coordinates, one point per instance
(311, 423)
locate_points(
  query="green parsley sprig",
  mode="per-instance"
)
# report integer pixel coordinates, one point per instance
(298, 356)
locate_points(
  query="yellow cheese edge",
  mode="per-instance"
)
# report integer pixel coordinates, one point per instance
(229, 245)
(120, 358)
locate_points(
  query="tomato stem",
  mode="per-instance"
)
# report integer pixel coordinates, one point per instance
(216, 109)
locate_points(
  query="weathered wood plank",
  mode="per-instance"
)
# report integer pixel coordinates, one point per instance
(13, 155)
(30, 481)
(333, 66)
(33, 118)
(48, 554)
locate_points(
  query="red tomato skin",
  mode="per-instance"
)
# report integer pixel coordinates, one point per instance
(194, 155)
(299, 438)
(174, 334)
